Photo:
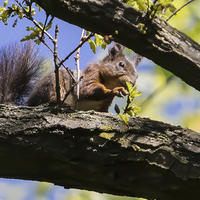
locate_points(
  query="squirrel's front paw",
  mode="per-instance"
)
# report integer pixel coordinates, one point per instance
(120, 91)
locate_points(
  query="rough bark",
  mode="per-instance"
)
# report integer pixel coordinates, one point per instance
(96, 151)
(162, 43)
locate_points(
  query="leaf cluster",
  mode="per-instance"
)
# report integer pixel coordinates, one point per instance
(4, 14)
(153, 8)
(20, 11)
(160, 6)
(131, 109)
(36, 31)
(97, 42)
(14, 11)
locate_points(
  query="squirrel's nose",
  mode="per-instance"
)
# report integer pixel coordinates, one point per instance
(133, 82)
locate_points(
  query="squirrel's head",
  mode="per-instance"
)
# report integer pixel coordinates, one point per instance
(119, 69)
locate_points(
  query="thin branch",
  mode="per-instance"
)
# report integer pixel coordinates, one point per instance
(30, 7)
(56, 65)
(45, 23)
(178, 10)
(80, 45)
(39, 26)
(77, 59)
(73, 78)
(72, 87)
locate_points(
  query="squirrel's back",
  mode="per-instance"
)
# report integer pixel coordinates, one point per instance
(20, 65)
(45, 90)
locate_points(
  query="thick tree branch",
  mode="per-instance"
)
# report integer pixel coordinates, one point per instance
(162, 43)
(96, 151)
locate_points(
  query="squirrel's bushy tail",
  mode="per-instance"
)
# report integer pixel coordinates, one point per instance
(20, 66)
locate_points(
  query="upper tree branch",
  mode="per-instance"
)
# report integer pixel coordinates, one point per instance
(162, 43)
(96, 151)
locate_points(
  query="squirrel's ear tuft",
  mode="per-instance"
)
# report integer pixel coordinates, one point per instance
(116, 49)
(136, 59)
(114, 52)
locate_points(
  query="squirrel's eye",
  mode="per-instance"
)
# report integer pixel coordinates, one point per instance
(121, 64)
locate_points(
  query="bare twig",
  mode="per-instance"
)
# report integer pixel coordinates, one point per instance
(73, 78)
(127, 105)
(56, 65)
(45, 23)
(178, 10)
(72, 87)
(39, 26)
(30, 7)
(77, 59)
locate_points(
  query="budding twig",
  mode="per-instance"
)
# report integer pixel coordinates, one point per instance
(56, 65)
(77, 59)
(71, 88)
(67, 68)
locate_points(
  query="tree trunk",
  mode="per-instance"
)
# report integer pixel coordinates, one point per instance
(162, 43)
(98, 152)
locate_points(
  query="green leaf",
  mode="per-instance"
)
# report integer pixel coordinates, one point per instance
(15, 23)
(104, 45)
(48, 26)
(135, 109)
(124, 118)
(39, 8)
(129, 87)
(29, 28)
(38, 41)
(142, 4)
(4, 16)
(132, 91)
(87, 33)
(172, 8)
(130, 113)
(21, 15)
(131, 109)
(98, 40)
(30, 37)
(92, 46)
(5, 4)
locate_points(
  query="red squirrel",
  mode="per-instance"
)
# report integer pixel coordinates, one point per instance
(101, 82)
